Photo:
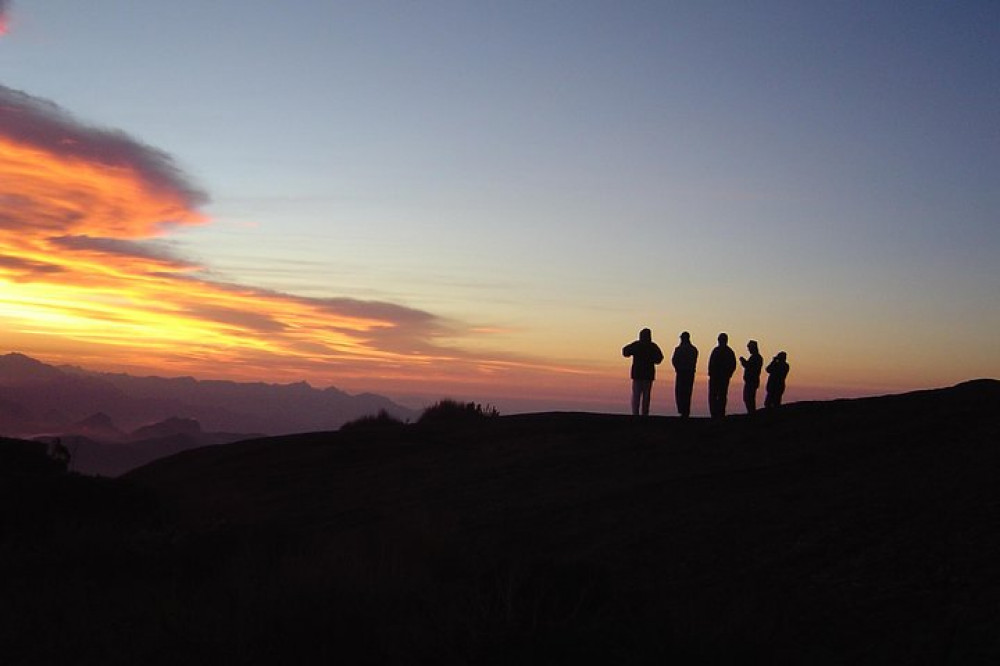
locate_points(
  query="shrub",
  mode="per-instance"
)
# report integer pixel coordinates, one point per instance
(381, 420)
(452, 410)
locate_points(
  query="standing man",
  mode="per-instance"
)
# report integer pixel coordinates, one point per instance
(751, 376)
(721, 366)
(685, 359)
(646, 355)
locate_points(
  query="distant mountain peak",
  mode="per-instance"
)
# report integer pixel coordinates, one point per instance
(169, 427)
(16, 367)
(98, 425)
(98, 420)
(139, 402)
(17, 359)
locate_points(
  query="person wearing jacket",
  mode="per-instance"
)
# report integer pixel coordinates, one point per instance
(721, 366)
(646, 355)
(684, 360)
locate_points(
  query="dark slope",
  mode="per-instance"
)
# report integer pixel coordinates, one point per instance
(79, 561)
(863, 530)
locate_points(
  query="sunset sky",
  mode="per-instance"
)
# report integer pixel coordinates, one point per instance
(487, 200)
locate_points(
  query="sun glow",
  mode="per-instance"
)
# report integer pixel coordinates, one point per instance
(79, 262)
(72, 263)
(73, 197)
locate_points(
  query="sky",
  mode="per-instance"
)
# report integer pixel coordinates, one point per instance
(487, 200)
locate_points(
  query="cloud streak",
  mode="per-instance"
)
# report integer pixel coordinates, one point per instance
(81, 180)
(83, 259)
(151, 253)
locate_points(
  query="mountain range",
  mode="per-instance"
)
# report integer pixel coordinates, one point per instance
(112, 422)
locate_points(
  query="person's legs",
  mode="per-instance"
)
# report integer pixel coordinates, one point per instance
(647, 393)
(718, 395)
(641, 393)
(713, 397)
(683, 389)
(750, 397)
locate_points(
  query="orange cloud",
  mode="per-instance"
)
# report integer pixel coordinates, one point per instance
(83, 215)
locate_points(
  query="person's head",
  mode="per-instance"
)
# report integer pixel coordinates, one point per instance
(685, 337)
(723, 339)
(781, 356)
(646, 335)
(752, 346)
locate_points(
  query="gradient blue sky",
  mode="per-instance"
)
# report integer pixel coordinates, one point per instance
(822, 177)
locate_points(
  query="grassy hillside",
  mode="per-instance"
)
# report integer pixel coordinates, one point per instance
(861, 531)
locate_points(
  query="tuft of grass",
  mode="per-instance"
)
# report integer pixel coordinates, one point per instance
(373, 422)
(448, 410)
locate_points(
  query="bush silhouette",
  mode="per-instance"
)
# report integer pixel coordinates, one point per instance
(373, 422)
(452, 410)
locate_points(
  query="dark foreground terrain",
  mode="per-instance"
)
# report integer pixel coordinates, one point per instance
(862, 531)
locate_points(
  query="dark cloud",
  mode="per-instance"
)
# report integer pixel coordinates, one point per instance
(44, 125)
(26, 268)
(400, 329)
(383, 311)
(16, 210)
(405, 330)
(152, 251)
(242, 319)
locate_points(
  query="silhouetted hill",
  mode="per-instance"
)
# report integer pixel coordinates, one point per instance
(168, 428)
(853, 531)
(97, 426)
(100, 451)
(34, 391)
(16, 418)
(73, 552)
(19, 370)
(250, 406)
(93, 412)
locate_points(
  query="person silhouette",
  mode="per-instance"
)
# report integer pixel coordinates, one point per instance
(646, 355)
(777, 371)
(721, 366)
(684, 360)
(751, 376)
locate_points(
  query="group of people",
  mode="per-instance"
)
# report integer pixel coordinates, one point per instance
(646, 355)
